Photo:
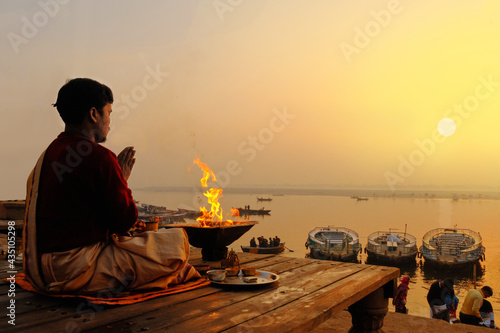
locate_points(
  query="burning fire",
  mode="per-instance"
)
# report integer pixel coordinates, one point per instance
(214, 216)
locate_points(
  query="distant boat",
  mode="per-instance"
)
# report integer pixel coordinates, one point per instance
(190, 214)
(360, 198)
(391, 248)
(264, 199)
(332, 243)
(245, 211)
(168, 216)
(452, 247)
(264, 250)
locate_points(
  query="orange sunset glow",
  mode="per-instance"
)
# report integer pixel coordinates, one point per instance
(332, 94)
(378, 116)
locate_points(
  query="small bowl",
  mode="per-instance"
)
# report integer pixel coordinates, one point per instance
(249, 271)
(216, 275)
(151, 226)
(232, 271)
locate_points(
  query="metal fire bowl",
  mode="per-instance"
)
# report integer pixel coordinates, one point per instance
(214, 237)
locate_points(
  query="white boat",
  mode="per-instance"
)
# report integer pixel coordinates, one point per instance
(452, 247)
(391, 248)
(333, 243)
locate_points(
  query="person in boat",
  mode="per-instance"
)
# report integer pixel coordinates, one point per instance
(79, 207)
(469, 313)
(436, 298)
(277, 241)
(399, 301)
(253, 243)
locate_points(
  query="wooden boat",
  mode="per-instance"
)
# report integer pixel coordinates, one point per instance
(333, 243)
(190, 214)
(261, 211)
(168, 216)
(391, 248)
(264, 199)
(264, 250)
(452, 247)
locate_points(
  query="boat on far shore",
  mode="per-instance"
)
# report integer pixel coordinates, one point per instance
(248, 211)
(333, 243)
(264, 199)
(452, 247)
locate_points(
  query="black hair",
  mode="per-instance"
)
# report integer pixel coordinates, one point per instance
(449, 284)
(488, 289)
(78, 96)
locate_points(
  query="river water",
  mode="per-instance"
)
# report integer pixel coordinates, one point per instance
(293, 216)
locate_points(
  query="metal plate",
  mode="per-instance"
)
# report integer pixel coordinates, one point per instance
(263, 278)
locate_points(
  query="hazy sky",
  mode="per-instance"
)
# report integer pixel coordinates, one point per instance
(264, 92)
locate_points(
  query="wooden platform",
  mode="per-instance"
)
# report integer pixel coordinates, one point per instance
(308, 293)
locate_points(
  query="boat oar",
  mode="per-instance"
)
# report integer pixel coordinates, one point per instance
(289, 249)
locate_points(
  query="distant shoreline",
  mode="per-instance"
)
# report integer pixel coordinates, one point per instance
(368, 193)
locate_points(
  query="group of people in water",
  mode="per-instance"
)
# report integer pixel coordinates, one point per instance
(264, 242)
(443, 303)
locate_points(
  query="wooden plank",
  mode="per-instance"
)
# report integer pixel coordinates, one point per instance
(19, 224)
(54, 314)
(224, 310)
(178, 312)
(61, 312)
(318, 305)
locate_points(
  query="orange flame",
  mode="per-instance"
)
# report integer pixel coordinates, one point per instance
(214, 216)
(206, 172)
(235, 212)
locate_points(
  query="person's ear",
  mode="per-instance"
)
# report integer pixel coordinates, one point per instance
(93, 114)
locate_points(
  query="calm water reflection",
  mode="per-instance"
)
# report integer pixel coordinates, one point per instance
(292, 216)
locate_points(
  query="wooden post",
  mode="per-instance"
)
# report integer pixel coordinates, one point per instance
(368, 313)
(474, 275)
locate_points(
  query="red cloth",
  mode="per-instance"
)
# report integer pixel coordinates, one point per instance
(399, 300)
(83, 196)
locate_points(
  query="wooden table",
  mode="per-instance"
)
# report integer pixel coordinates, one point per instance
(308, 292)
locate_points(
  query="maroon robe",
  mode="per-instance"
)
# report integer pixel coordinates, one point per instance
(83, 197)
